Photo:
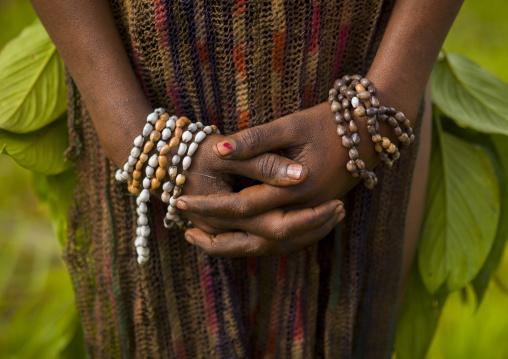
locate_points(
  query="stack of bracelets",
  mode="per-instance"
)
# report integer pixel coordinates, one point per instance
(163, 133)
(355, 94)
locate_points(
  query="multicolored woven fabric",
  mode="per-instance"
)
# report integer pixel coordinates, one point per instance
(236, 64)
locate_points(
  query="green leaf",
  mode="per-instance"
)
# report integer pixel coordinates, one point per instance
(41, 151)
(461, 212)
(481, 281)
(470, 95)
(15, 15)
(418, 318)
(32, 82)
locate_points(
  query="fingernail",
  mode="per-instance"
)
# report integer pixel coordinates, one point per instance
(182, 205)
(189, 239)
(341, 216)
(225, 147)
(339, 209)
(294, 171)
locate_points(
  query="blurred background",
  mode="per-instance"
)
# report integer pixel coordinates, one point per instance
(37, 313)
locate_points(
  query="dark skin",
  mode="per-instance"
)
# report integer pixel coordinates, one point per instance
(288, 211)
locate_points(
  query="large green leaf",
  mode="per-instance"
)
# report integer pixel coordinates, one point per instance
(461, 212)
(32, 84)
(41, 151)
(470, 95)
(418, 318)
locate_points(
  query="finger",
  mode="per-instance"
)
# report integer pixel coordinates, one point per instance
(256, 140)
(246, 203)
(268, 168)
(246, 244)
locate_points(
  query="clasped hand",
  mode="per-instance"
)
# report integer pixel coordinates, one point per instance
(295, 205)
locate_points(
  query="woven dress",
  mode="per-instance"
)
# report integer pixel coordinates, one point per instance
(236, 64)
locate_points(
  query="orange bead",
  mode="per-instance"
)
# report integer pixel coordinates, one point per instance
(148, 147)
(164, 150)
(136, 175)
(143, 157)
(164, 117)
(187, 121)
(174, 142)
(178, 133)
(129, 182)
(359, 88)
(180, 123)
(159, 125)
(155, 135)
(160, 173)
(136, 183)
(214, 128)
(155, 183)
(130, 189)
(139, 165)
(163, 161)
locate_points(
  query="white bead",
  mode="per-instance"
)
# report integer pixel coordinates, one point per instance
(172, 174)
(142, 259)
(143, 208)
(175, 160)
(166, 134)
(182, 149)
(160, 144)
(138, 231)
(154, 160)
(160, 110)
(186, 163)
(145, 231)
(143, 251)
(146, 182)
(171, 210)
(118, 175)
(143, 220)
(187, 136)
(152, 118)
(168, 186)
(125, 176)
(217, 132)
(144, 196)
(138, 200)
(149, 171)
(192, 127)
(192, 148)
(165, 197)
(171, 124)
(132, 161)
(172, 202)
(173, 217)
(207, 130)
(138, 212)
(128, 168)
(140, 242)
(355, 102)
(147, 130)
(200, 136)
(199, 125)
(135, 152)
(138, 141)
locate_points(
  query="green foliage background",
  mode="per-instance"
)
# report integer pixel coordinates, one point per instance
(37, 314)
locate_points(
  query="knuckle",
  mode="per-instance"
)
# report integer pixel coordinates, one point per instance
(268, 165)
(240, 210)
(252, 138)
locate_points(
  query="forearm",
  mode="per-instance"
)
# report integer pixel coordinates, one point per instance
(84, 33)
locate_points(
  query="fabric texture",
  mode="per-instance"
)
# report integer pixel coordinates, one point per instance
(236, 64)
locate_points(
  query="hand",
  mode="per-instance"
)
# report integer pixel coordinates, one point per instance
(308, 137)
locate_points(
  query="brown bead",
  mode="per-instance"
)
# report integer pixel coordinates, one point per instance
(343, 90)
(339, 118)
(175, 141)
(345, 103)
(333, 93)
(390, 111)
(393, 122)
(355, 137)
(399, 116)
(338, 84)
(386, 142)
(180, 122)
(365, 82)
(353, 153)
(178, 133)
(143, 157)
(352, 126)
(180, 180)
(359, 88)
(335, 106)
(374, 101)
(350, 94)
(347, 142)
(397, 131)
(383, 157)
(364, 96)
(160, 173)
(163, 161)
(403, 137)
(392, 148)
(382, 110)
(155, 135)
(377, 138)
(359, 111)
(164, 150)
(371, 130)
(136, 174)
(347, 115)
(378, 147)
(371, 121)
(351, 166)
(407, 123)
(354, 83)
(148, 147)
(159, 125)
(356, 77)
(331, 99)
(364, 174)
(139, 165)
(346, 78)
(360, 164)
(383, 117)
(366, 104)
(177, 191)
(371, 89)
(155, 183)
(341, 130)
(372, 111)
